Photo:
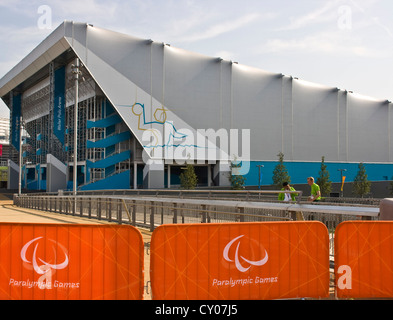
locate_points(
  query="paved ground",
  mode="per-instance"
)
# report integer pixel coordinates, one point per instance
(11, 213)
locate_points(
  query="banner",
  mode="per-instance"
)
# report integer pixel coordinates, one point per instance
(270, 260)
(77, 262)
(364, 259)
(59, 105)
(15, 121)
(342, 183)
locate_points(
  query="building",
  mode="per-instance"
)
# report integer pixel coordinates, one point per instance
(4, 150)
(145, 108)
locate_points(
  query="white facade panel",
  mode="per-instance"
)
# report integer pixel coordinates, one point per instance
(192, 87)
(315, 122)
(257, 105)
(368, 130)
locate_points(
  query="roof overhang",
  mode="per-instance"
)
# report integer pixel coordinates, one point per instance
(48, 50)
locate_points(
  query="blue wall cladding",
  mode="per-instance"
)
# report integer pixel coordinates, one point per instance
(111, 140)
(104, 123)
(109, 161)
(117, 181)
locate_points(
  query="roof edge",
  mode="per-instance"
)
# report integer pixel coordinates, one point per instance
(49, 49)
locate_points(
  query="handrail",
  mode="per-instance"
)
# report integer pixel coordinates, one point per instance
(362, 211)
(158, 192)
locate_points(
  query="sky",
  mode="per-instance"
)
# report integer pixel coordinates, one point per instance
(339, 43)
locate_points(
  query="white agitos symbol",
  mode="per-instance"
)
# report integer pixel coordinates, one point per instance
(46, 266)
(237, 261)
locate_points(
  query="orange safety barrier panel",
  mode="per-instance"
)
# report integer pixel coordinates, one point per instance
(78, 262)
(364, 259)
(236, 261)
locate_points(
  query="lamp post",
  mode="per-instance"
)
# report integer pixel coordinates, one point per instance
(259, 175)
(20, 156)
(342, 185)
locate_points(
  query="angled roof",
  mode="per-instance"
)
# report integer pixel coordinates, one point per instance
(121, 65)
(50, 48)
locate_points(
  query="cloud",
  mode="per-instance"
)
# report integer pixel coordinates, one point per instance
(321, 15)
(221, 28)
(333, 43)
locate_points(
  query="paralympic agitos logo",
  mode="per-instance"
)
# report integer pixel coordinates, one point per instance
(242, 264)
(42, 266)
(45, 257)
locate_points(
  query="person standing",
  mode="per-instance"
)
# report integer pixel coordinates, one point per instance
(315, 190)
(287, 196)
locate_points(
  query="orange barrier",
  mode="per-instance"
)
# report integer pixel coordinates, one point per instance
(270, 260)
(364, 259)
(52, 261)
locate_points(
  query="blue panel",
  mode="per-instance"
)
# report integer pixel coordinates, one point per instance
(59, 105)
(299, 171)
(110, 150)
(104, 123)
(118, 181)
(104, 163)
(108, 108)
(32, 185)
(110, 170)
(15, 120)
(110, 130)
(109, 141)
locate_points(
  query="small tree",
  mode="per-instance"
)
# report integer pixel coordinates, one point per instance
(361, 185)
(237, 181)
(280, 172)
(323, 180)
(188, 178)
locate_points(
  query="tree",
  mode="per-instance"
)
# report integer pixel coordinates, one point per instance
(361, 185)
(323, 180)
(188, 178)
(237, 181)
(280, 173)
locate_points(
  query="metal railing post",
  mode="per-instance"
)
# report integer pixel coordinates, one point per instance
(133, 212)
(109, 203)
(151, 216)
(119, 212)
(175, 213)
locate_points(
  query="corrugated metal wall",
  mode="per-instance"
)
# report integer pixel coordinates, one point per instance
(303, 120)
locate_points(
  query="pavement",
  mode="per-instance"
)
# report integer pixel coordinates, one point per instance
(10, 213)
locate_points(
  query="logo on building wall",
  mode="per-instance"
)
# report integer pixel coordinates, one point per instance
(242, 264)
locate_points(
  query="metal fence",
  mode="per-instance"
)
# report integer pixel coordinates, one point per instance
(151, 210)
(146, 212)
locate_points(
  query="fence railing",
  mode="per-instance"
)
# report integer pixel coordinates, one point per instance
(154, 210)
(151, 211)
(244, 195)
